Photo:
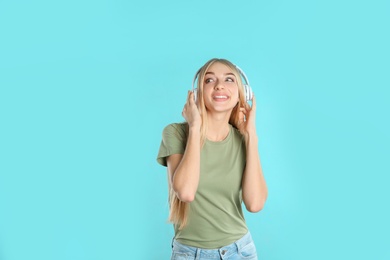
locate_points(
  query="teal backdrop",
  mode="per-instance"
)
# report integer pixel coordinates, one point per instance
(86, 88)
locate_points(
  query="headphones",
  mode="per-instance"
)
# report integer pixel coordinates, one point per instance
(247, 88)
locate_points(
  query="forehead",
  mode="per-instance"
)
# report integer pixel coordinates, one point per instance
(218, 67)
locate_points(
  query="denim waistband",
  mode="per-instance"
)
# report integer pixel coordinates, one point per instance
(222, 252)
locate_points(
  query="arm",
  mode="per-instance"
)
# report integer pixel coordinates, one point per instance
(254, 188)
(184, 169)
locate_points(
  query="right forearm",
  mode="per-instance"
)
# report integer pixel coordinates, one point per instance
(186, 177)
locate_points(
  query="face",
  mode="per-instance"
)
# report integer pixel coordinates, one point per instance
(220, 88)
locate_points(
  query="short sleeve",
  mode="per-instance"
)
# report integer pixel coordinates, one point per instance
(174, 140)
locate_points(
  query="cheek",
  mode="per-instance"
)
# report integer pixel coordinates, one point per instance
(205, 91)
(235, 92)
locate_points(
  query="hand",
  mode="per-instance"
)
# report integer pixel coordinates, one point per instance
(247, 119)
(191, 112)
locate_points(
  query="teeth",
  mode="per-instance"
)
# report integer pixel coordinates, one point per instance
(220, 96)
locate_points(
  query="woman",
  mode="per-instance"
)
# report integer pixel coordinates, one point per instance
(213, 165)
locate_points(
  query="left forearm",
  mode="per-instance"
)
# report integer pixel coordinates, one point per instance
(254, 188)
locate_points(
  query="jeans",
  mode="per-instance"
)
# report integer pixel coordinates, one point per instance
(244, 248)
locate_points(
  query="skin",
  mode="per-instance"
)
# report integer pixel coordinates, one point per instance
(220, 94)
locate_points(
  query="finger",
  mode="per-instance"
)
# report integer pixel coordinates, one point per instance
(241, 118)
(243, 110)
(241, 115)
(254, 102)
(191, 97)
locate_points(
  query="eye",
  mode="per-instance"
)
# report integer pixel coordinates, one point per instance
(208, 80)
(229, 79)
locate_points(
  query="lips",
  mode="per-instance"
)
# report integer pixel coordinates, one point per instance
(220, 97)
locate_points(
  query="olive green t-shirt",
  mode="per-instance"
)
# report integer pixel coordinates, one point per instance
(215, 215)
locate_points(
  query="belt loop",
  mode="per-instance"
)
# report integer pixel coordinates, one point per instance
(237, 246)
(244, 239)
(197, 254)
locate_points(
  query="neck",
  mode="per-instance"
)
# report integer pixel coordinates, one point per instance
(218, 127)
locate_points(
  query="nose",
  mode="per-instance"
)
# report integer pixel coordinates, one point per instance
(219, 85)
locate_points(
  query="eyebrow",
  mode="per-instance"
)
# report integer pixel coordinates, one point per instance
(224, 74)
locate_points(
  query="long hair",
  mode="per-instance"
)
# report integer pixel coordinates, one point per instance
(179, 209)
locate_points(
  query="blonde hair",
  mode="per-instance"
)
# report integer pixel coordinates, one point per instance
(179, 209)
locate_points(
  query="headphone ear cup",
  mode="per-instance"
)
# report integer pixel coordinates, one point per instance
(195, 91)
(248, 93)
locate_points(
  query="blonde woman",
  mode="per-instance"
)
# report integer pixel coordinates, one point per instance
(213, 166)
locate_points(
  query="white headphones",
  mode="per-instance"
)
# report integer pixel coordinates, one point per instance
(247, 88)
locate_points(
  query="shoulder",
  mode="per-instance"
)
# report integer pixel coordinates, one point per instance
(237, 137)
(178, 130)
(236, 134)
(176, 127)
(174, 138)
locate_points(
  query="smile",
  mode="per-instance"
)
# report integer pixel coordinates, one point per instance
(220, 97)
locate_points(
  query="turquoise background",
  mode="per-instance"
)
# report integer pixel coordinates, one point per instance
(86, 88)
